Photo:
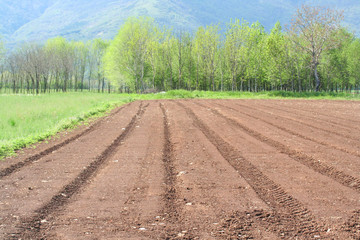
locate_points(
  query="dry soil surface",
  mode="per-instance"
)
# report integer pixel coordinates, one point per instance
(192, 169)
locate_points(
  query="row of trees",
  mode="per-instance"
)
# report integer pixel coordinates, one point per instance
(58, 65)
(314, 53)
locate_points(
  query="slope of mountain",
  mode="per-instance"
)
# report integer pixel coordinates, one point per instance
(13, 15)
(25, 20)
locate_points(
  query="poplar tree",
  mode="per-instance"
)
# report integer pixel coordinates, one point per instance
(126, 57)
(316, 27)
(353, 59)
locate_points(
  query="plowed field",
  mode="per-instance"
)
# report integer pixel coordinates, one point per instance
(192, 169)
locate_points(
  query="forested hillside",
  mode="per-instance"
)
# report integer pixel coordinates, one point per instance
(83, 20)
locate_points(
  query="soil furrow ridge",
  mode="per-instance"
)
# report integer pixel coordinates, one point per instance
(357, 154)
(313, 111)
(327, 121)
(31, 228)
(290, 218)
(17, 166)
(329, 171)
(307, 124)
(171, 211)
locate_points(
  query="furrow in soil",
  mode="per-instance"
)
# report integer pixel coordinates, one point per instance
(321, 125)
(316, 118)
(310, 121)
(294, 133)
(211, 189)
(332, 112)
(17, 166)
(329, 171)
(172, 210)
(290, 219)
(31, 228)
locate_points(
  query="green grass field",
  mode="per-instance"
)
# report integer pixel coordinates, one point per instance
(27, 119)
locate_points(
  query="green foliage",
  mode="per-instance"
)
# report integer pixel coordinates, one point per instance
(125, 60)
(146, 58)
(352, 54)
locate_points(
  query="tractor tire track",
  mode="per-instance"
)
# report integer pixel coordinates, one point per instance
(293, 219)
(329, 171)
(28, 161)
(31, 228)
(357, 154)
(352, 226)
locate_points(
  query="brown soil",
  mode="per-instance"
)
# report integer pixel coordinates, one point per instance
(199, 169)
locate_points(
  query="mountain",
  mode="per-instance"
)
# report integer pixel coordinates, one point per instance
(38, 20)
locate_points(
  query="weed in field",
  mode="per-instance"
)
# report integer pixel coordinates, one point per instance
(12, 122)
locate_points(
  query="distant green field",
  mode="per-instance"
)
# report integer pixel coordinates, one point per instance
(27, 119)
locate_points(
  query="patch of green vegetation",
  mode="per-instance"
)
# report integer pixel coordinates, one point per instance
(27, 119)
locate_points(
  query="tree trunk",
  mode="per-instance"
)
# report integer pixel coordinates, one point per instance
(14, 84)
(317, 88)
(99, 82)
(103, 85)
(37, 83)
(222, 80)
(82, 83)
(89, 80)
(76, 83)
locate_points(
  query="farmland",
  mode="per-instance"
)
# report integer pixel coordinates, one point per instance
(192, 169)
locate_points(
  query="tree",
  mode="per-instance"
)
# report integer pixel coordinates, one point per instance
(54, 48)
(353, 58)
(62, 59)
(316, 27)
(236, 36)
(276, 52)
(2, 62)
(207, 42)
(35, 64)
(153, 56)
(80, 60)
(98, 50)
(168, 57)
(127, 53)
(256, 60)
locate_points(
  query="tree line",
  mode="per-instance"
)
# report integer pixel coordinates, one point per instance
(314, 53)
(56, 66)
